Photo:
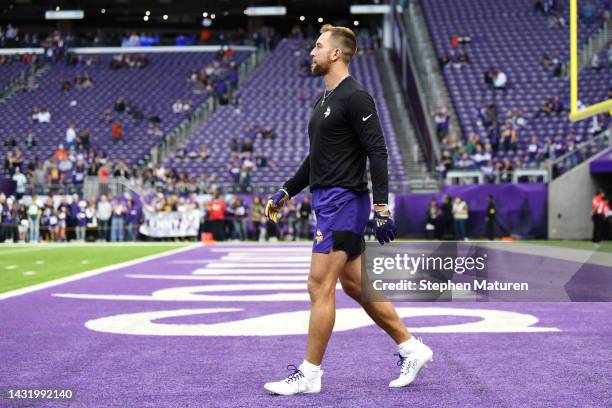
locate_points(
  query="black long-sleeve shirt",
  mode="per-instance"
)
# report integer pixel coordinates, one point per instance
(344, 130)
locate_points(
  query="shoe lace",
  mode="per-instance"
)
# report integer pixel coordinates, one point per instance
(295, 375)
(406, 364)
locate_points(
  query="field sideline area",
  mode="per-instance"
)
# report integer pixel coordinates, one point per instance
(23, 265)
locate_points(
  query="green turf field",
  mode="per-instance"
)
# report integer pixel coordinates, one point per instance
(25, 265)
(585, 245)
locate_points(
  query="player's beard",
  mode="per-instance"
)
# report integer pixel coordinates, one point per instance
(320, 69)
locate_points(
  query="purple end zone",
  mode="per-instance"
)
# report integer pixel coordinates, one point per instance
(44, 342)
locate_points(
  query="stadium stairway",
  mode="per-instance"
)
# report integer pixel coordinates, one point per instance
(418, 176)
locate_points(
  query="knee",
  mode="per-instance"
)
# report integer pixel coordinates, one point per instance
(319, 289)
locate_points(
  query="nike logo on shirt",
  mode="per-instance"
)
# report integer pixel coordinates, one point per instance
(366, 117)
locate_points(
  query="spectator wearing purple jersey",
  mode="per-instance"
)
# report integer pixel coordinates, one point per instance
(79, 171)
(9, 220)
(131, 220)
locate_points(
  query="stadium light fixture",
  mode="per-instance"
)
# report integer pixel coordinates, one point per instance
(103, 11)
(356, 23)
(146, 18)
(373, 9)
(64, 15)
(204, 14)
(266, 11)
(320, 19)
(213, 16)
(147, 13)
(165, 16)
(57, 8)
(302, 18)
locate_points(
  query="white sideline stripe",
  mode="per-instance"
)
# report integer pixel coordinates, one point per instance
(265, 258)
(228, 265)
(284, 250)
(266, 255)
(87, 274)
(221, 271)
(222, 278)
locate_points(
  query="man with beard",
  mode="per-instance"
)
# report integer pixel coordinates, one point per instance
(344, 131)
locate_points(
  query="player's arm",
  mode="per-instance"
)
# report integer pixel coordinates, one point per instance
(364, 120)
(293, 186)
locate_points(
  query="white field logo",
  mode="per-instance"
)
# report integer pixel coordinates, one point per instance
(261, 269)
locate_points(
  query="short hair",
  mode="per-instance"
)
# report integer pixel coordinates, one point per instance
(345, 39)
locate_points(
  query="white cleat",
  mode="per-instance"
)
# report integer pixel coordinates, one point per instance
(411, 364)
(295, 383)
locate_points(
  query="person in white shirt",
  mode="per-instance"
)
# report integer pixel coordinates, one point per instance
(44, 116)
(34, 212)
(460, 214)
(71, 136)
(21, 181)
(501, 80)
(177, 107)
(103, 216)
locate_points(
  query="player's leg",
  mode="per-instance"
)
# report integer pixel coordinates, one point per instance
(383, 313)
(324, 272)
(413, 354)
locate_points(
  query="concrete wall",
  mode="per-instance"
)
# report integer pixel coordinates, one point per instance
(569, 203)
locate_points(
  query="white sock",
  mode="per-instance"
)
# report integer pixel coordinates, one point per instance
(409, 346)
(310, 370)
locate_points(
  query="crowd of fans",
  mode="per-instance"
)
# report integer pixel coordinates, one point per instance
(118, 218)
(502, 132)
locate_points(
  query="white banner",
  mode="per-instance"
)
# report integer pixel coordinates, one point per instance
(171, 224)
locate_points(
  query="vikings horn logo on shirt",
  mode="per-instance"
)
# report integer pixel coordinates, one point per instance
(327, 112)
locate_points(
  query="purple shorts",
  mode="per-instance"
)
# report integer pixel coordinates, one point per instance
(342, 217)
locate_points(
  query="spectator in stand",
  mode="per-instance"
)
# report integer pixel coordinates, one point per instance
(262, 161)
(177, 106)
(15, 159)
(442, 119)
(71, 136)
(120, 105)
(103, 216)
(257, 213)
(462, 59)
(55, 178)
(21, 181)
(442, 61)
(87, 81)
(131, 220)
(92, 221)
(117, 133)
(30, 141)
(216, 213)
(81, 221)
(460, 215)
(44, 116)
(534, 150)
(34, 214)
(9, 220)
(509, 138)
(431, 225)
(588, 12)
(118, 221)
(500, 80)
(61, 153)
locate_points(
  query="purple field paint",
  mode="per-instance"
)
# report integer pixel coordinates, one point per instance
(44, 342)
